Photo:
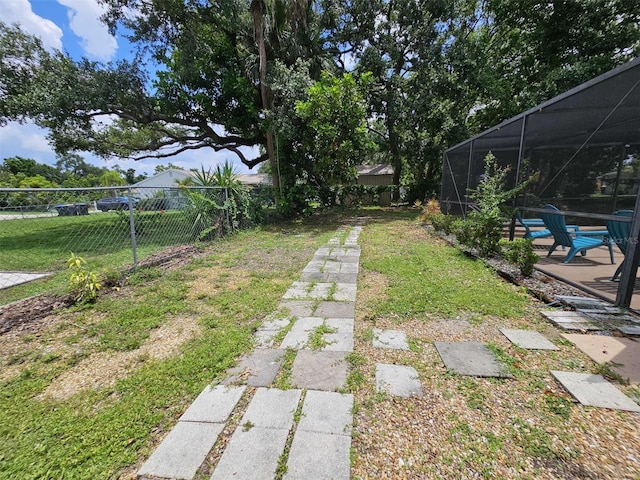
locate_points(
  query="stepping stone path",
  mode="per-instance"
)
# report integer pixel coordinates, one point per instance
(318, 311)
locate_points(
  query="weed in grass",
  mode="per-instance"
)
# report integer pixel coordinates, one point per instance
(248, 425)
(356, 378)
(281, 469)
(472, 393)
(513, 364)
(573, 364)
(558, 405)
(415, 344)
(283, 380)
(367, 335)
(316, 338)
(333, 288)
(564, 342)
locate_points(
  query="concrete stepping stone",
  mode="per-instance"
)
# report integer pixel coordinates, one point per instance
(398, 380)
(327, 412)
(336, 309)
(256, 370)
(298, 308)
(214, 404)
(582, 302)
(633, 330)
(570, 320)
(187, 445)
(595, 391)
(298, 336)
(339, 292)
(623, 354)
(329, 277)
(320, 370)
(182, 451)
(391, 339)
(260, 438)
(471, 359)
(342, 339)
(264, 335)
(319, 456)
(528, 339)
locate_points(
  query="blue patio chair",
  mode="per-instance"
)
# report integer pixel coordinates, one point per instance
(577, 241)
(619, 233)
(532, 222)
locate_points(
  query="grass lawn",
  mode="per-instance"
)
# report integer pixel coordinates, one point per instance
(44, 244)
(90, 392)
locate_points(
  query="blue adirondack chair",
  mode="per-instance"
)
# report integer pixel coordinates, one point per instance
(532, 222)
(619, 233)
(575, 242)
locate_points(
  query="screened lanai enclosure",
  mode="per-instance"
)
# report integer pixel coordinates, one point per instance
(579, 150)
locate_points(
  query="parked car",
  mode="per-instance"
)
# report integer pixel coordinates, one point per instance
(69, 209)
(116, 203)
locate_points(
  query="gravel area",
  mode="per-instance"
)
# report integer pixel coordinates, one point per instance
(467, 427)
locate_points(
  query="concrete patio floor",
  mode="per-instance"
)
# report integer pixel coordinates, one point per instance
(590, 273)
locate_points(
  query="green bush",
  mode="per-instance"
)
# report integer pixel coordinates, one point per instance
(520, 251)
(441, 222)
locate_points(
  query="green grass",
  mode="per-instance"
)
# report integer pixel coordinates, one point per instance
(97, 433)
(424, 277)
(103, 240)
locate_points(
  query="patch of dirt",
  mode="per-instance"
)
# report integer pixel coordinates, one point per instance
(104, 368)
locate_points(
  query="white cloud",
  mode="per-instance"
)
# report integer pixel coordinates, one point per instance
(27, 140)
(84, 20)
(19, 11)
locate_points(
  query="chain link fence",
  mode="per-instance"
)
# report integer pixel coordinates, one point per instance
(108, 227)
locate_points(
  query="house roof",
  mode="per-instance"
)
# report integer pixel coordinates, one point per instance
(602, 111)
(374, 169)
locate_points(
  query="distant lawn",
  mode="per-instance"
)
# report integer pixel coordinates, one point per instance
(103, 239)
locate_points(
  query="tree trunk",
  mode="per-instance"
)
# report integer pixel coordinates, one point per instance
(258, 8)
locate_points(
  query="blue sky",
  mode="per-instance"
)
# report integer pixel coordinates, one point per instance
(73, 26)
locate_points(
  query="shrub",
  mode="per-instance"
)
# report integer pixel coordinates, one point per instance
(520, 251)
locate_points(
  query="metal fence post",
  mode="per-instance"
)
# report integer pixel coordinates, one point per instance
(226, 202)
(132, 227)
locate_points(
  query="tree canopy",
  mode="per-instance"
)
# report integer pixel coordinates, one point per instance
(227, 74)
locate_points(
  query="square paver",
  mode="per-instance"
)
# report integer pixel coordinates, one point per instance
(320, 370)
(595, 391)
(252, 454)
(182, 451)
(214, 404)
(319, 456)
(256, 370)
(327, 412)
(298, 336)
(298, 308)
(398, 380)
(391, 339)
(570, 320)
(336, 309)
(272, 408)
(528, 339)
(633, 330)
(471, 359)
(622, 354)
(341, 340)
